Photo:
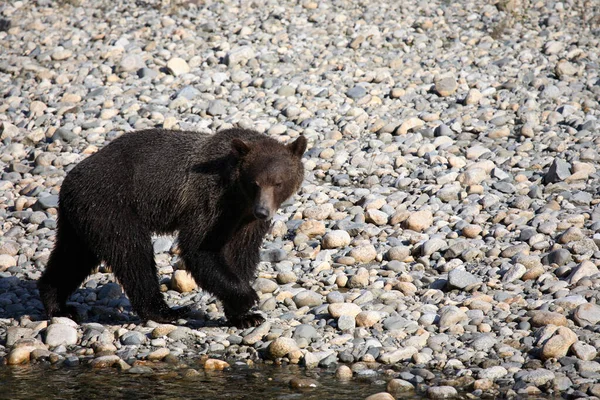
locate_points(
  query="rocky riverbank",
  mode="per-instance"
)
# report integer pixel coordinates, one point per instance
(446, 236)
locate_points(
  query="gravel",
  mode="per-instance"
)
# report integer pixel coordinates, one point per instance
(448, 222)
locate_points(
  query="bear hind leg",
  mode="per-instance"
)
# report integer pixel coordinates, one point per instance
(70, 262)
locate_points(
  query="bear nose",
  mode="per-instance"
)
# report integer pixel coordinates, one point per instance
(261, 212)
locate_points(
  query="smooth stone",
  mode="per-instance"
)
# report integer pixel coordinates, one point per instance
(583, 270)
(338, 309)
(281, 347)
(363, 254)
(178, 66)
(542, 318)
(559, 344)
(336, 239)
(357, 92)
(441, 392)
(60, 334)
(462, 279)
(419, 220)
(587, 315)
(212, 364)
(183, 282)
(308, 298)
(380, 396)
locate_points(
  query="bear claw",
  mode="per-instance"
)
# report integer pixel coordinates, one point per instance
(246, 321)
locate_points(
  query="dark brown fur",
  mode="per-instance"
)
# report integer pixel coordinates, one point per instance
(218, 191)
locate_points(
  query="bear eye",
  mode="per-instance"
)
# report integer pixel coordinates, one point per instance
(278, 184)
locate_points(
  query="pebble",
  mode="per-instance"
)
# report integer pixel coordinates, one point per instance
(380, 396)
(213, 364)
(338, 309)
(419, 221)
(343, 372)
(441, 392)
(183, 282)
(282, 346)
(336, 239)
(178, 66)
(446, 86)
(363, 254)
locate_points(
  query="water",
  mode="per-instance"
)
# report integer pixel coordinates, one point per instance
(265, 382)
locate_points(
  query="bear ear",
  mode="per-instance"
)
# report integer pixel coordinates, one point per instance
(298, 146)
(239, 147)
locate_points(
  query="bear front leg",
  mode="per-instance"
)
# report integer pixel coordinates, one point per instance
(213, 275)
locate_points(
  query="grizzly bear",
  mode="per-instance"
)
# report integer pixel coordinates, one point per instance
(219, 192)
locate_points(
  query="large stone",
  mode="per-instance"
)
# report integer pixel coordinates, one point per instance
(338, 309)
(450, 316)
(240, 55)
(308, 298)
(559, 171)
(419, 220)
(363, 254)
(441, 392)
(212, 364)
(357, 92)
(360, 279)
(584, 351)
(7, 261)
(106, 361)
(316, 228)
(257, 334)
(281, 347)
(493, 373)
(542, 318)
(446, 86)
(367, 318)
(587, 314)
(403, 354)
(61, 334)
(538, 377)
(336, 239)
(20, 355)
(559, 344)
(583, 270)
(462, 279)
(380, 396)
(178, 66)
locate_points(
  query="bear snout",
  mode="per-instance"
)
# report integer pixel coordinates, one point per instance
(261, 212)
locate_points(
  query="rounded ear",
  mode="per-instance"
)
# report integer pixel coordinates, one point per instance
(298, 146)
(239, 147)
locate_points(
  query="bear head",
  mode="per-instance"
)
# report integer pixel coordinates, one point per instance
(269, 172)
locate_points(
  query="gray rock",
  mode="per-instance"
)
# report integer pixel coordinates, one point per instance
(46, 202)
(110, 291)
(441, 392)
(60, 334)
(216, 108)
(357, 92)
(461, 279)
(308, 298)
(133, 338)
(538, 377)
(559, 171)
(307, 332)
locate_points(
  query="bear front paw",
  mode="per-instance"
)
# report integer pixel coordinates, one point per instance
(246, 321)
